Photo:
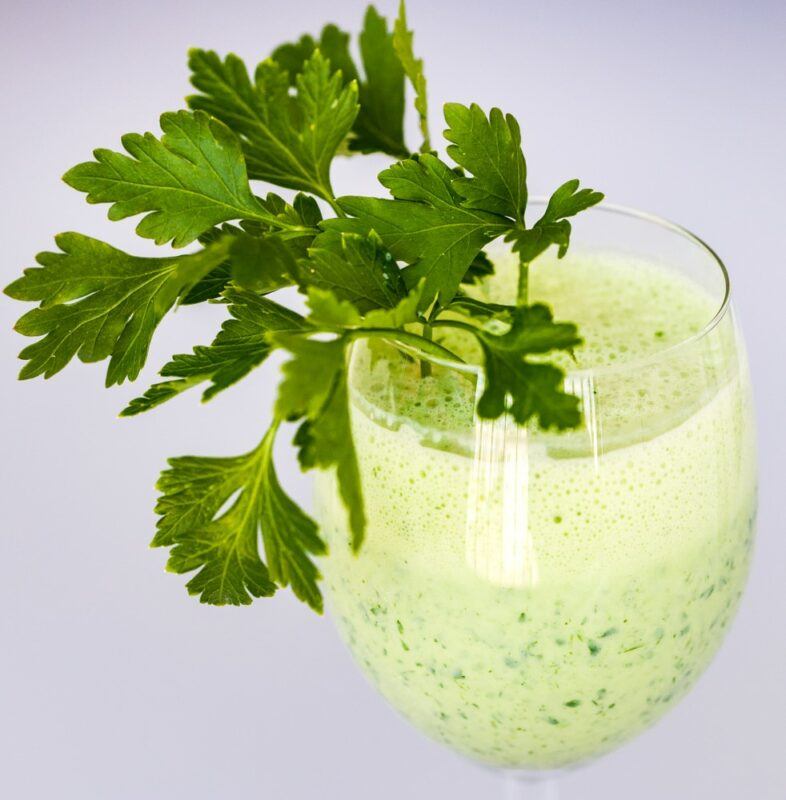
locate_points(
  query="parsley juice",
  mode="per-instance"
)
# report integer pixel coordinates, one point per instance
(536, 470)
(534, 600)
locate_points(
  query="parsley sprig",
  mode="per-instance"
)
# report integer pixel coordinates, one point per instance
(392, 268)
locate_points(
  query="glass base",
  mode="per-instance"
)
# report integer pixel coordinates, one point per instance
(523, 785)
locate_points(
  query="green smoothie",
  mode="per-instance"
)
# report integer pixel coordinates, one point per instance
(534, 599)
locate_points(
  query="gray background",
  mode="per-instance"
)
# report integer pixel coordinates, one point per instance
(113, 683)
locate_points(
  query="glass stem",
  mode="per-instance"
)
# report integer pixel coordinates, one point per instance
(523, 786)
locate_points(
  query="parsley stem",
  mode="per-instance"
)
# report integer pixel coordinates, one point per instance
(522, 297)
(292, 229)
(454, 323)
(330, 199)
(424, 347)
(425, 366)
(335, 206)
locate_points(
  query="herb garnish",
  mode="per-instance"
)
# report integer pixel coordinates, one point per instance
(387, 268)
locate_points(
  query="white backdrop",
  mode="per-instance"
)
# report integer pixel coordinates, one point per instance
(113, 683)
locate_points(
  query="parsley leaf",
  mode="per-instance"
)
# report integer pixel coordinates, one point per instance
(489, 148)
(380, 123)
(266, 266)
(308, 378)
(391, 268)
(241, 345)
(480, 268)
(524, 388)
(329, 312)
(413, 67)
(262, 263)
(290, 56)
(303, 216)
(553, 227)
(333, 44)
(224, 547)
(355, 268)
(480, 309)
(379, 126)
(314, 389)
(209, 287)
(326, 441)
(191, 179)
(569, 200)
(263, 258)
(98, 302)
(287, 140)
(426, 225)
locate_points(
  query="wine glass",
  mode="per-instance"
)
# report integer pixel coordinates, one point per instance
(533, 599)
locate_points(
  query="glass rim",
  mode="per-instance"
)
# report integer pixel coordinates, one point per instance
(642, 361)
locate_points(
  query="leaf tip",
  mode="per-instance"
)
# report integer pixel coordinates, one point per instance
(13, 290)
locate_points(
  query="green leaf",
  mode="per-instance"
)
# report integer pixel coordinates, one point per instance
(159, 393)
(241, 345)
(262, 264)
(265, 259)
(380, 123)
(413, 67)
(98, 302)
(530, 243)
(480, 268)
(333, 44)
(355, 268)
(209, 287)
(309, 378)
(287, 140)
(314, 386)
(553, 227)
(330, 312)
(480, 309)
(524, 388)
(327, 441)
(379, 126)
(303, 213)
(189, 180)
(489, 148)
(314, 389)
(224, 545)
(426, 226)
(296, 223)
(569, 200)
(290, 56)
